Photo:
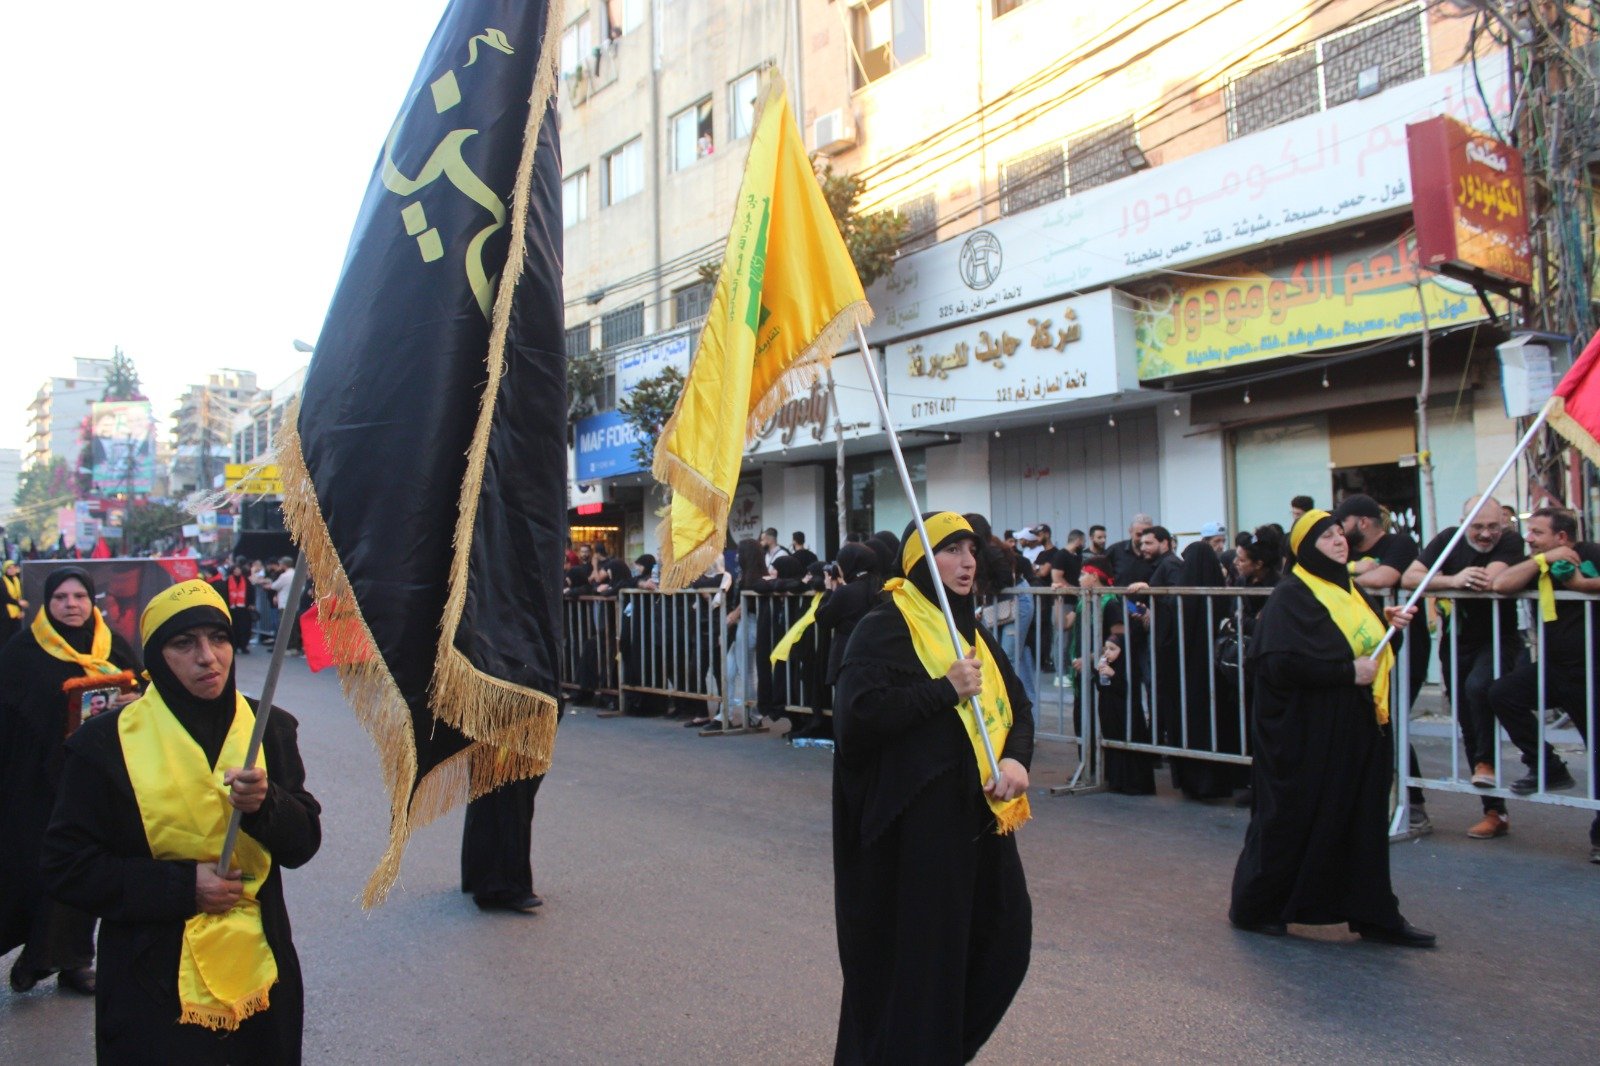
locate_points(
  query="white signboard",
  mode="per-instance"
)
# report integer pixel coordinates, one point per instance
(1025, 361)
(637, 364)
(1315, 173)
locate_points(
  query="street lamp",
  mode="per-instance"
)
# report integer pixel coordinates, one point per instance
(302, 346)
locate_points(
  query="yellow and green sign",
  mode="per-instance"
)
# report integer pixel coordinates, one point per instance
(1277, 305)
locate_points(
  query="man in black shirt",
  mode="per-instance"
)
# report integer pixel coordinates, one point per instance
(1128, 563)
(1559, 562)
(1483, 555)
(1378, 558)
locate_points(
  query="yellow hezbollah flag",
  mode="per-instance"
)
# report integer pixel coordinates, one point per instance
(787, 293)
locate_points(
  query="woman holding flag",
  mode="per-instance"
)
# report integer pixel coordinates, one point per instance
(1317, 850)
(934, 920)
(195, 966)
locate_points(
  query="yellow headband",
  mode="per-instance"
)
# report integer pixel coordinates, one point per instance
(175, 600)
(939, 526)
(1302, 526)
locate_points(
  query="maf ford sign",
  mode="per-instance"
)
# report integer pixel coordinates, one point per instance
(605, 447)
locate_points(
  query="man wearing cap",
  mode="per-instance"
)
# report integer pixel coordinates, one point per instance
(195, 966)
(1028, 545)
(1378, 559)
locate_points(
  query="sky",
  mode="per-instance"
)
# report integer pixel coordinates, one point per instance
(181, 180)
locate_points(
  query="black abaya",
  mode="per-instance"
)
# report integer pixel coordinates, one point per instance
(33, 719)
(933, 916)
(1317, 850)
(97, 857)
(497, 842)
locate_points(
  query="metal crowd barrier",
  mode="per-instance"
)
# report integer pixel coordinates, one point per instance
(589, 653)
(677, 645)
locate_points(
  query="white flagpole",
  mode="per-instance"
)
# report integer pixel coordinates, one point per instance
(922, 533)
(1466, 520)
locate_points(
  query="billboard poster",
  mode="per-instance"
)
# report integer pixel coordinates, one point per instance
(122, 447)
(122, 586)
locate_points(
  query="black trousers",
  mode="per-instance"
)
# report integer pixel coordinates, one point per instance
(1474, 676)
(1515, 699)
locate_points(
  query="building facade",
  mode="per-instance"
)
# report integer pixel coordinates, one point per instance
(58, 411)
(1161, 264)
(202, 427)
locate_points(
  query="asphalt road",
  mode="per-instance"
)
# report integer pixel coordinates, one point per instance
(689, 919)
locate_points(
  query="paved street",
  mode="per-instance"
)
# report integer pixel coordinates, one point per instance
(689, 920)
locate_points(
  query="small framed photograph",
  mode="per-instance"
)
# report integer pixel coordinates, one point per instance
(90, 697)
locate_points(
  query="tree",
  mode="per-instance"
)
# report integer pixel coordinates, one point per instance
(122, 380)
(152, 525)
(586, 379)
(39, 492)
(873, 240)
(648, 406)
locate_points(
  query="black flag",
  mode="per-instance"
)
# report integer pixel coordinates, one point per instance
(425, 475)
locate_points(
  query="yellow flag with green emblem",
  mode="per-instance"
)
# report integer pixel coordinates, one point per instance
(785, 297)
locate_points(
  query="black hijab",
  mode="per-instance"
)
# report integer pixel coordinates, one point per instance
(1310, 556)
(80, 638)
(207, 721)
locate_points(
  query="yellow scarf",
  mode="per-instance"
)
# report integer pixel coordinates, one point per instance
(931, 639)
(1547, 589)
(14, 590)
(1351, 613)
(98, 661)
(780, 653)
(226, 967)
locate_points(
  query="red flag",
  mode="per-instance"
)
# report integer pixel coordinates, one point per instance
(1575, 407)
(102, 550)
(334, 637)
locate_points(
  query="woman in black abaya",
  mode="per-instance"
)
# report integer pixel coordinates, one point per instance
(1201, 779)
(1317, 850)
(932, 908)
(58, 649)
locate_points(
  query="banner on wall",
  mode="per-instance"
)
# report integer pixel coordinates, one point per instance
(1279, 304)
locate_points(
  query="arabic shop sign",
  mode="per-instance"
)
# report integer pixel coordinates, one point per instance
(646, 361)
(1052, 354)
(1469, 201)
(1316, 173)
(1277, 305)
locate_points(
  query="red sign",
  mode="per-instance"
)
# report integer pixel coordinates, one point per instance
(590, 508)
(1470, 204)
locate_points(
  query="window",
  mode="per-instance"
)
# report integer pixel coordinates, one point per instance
(742, 93)
(1099, 156)
(691, 135)
(575, 199)
(1037, 178)
(576, 44)
(624, 172)
(886, 35)
(577, 341)
(623, 324)
(922, 223)
(691, 302)
(623, 16)
(1329, 72)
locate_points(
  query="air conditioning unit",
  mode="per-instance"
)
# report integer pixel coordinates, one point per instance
(834, 132)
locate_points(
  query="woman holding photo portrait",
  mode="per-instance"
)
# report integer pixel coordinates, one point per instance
(49, 675)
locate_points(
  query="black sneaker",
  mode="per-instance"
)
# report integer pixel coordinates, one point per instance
(1556, 776)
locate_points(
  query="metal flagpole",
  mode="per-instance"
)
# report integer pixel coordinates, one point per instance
(269, 688)
(922, 534)
(1461, 530)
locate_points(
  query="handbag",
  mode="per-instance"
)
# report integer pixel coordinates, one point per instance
(1003, 613)
(1228, 649)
